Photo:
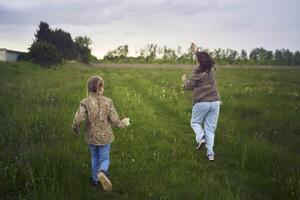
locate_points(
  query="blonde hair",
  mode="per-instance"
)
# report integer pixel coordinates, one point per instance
(94, 84)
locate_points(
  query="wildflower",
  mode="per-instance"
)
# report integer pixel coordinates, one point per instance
(247, 89)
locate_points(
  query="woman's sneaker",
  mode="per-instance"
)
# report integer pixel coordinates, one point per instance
(105, 182)
(211, 157)
(200, 145)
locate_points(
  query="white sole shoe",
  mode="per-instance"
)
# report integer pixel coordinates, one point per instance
(200, 145)
(105, 182)
(211, 157)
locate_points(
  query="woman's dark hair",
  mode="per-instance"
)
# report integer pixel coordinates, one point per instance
(205, 61)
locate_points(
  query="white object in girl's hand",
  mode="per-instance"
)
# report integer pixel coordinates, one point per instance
(126, 121)
(183, 78)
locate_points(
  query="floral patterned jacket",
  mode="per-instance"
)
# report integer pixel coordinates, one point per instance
(99, 113)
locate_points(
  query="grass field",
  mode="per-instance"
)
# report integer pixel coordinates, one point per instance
(257, 139)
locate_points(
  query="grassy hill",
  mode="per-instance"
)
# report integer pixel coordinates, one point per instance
(257, 139)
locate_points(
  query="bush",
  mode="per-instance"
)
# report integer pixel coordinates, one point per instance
(44, 54)
(84, 54)
(93, 58)
(23, 57)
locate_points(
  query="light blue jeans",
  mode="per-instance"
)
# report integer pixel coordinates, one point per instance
(205, 114)
(99, 159)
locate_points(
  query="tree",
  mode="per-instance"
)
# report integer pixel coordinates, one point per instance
(296, 58)
(217, 55)
(63, 42)
(169, 54)
(188, 57)
(178, 51)
(117, 54)
(278, 57)
(122, 51)
(261, 55)
(84, 55)
(43, 32)
(243, 56)
(269, 57)
(286, 56)
(60, 39)
(82, 48)
(44, 54)
(254, 55)
(153, 53)
(150, 52)
(231, 56)
(83, 41)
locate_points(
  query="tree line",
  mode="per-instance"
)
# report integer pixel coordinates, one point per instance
(52, 46)
(153, 53)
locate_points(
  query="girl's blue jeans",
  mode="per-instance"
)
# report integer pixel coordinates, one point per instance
(99, 159)
(204, 122)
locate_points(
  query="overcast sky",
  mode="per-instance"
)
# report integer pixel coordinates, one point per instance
(235, 24)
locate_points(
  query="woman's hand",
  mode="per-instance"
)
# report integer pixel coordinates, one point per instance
(193, 47)
(183, 78)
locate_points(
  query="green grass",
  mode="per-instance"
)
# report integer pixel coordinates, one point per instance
(257, 139)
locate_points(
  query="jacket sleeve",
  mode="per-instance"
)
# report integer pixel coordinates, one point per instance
(190, 84)
(79, 117)
(114, 117)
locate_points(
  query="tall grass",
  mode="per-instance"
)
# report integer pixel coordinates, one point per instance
(257, 139)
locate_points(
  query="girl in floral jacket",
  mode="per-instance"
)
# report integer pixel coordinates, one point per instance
(99, 113)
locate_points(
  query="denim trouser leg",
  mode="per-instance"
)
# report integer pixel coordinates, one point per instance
(99, 159)
(198, 114)
(104, 157)
(210, 125)
(205, 113)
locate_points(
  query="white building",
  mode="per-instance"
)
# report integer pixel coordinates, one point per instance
(9, 55)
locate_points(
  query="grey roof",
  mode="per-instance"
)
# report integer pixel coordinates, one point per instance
(11, 51)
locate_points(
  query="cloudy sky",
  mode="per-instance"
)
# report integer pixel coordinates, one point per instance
(235, 24)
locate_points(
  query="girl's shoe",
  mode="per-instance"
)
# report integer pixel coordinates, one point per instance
(105, 182)
(201, 144)
(93, 183)
(211, 157)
